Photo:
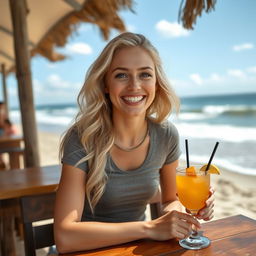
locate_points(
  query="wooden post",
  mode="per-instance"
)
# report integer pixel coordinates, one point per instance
(23, 74)
(5, 96)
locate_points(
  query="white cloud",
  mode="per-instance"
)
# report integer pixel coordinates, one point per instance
(130, 28)
(79, 48)
(233, 81)
(55, 81)
(169, 29)
(54, 89)
(251, 69)
(241, 47)
(215, 77)
(196, 78)
(236, 73)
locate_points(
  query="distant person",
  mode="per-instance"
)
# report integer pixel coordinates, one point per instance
(9, 128)
(118, 153)
(3, 117)
(6, 129)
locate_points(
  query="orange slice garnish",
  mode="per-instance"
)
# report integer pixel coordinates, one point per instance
(191, 171)
(212, 170)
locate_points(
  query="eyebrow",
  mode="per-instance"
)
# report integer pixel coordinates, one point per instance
(126, 69)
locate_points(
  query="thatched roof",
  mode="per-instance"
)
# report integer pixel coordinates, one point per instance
(50, 22)
(191, 9)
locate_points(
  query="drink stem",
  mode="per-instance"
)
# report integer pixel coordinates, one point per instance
(194, 233)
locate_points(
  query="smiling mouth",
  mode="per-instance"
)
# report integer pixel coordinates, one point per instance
(133, 99)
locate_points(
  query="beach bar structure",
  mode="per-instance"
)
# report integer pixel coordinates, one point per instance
(31, 27)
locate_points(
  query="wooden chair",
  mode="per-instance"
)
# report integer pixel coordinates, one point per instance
(155, 210)
(37, 208)
(40, 207)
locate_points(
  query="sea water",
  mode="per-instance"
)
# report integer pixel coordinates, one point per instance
(229, 119)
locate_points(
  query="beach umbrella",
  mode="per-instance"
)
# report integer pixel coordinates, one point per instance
(31, 27)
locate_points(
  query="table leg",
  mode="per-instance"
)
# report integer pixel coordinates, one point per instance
(14, 159)
(7, 214)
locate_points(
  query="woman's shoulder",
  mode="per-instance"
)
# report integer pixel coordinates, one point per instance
(164, 128)
(72, 138)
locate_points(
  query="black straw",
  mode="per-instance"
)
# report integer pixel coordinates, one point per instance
(187, 155)
(212, 155)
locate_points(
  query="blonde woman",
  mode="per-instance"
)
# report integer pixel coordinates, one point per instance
(119, 151)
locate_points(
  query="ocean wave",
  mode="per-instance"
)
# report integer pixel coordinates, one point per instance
(187, 116)
(229, 109)
(221, 163)
(59, 118)
(215, 111)
(218, 132)
(43, 117)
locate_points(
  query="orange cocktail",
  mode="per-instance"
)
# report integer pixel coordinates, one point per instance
(193, 190)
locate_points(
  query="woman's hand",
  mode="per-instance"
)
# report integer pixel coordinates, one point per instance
(173, 224)
(206, 213)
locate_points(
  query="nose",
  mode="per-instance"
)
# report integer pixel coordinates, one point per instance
(135, 83)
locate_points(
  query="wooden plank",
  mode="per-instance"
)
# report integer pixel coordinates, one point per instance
(145, 248)
(23, 74)
(236, 245)
(8, 210)
(34, 180)
(232, 225)
(234, 235)
(13, 146)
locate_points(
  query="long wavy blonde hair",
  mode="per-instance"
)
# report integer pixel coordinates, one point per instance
(94, 119)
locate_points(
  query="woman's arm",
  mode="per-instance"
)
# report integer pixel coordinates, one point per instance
(169, 198)
(73, 235)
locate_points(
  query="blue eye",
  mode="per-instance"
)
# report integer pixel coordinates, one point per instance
(121, 75)
(145, 75)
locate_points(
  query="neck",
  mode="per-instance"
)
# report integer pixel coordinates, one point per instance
(129, 135)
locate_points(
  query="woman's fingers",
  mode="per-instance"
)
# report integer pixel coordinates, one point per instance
(188, 218)
(206, 213)
(181, 228)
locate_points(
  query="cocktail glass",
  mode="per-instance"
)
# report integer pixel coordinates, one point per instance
(193, 191)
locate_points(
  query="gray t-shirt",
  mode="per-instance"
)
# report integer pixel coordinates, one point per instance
(128, 192)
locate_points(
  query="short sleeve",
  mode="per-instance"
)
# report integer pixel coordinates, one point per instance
(174, 151)
(74, 152)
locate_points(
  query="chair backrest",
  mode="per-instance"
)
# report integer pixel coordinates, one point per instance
(37, 208)
(155, 210)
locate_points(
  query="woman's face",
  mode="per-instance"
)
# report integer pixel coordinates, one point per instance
(131, 81)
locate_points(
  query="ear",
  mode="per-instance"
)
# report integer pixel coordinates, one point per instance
(106, 89)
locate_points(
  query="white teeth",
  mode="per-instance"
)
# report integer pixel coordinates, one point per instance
(134, 99)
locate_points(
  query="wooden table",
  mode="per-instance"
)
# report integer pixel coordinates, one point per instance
(18, 183)
(13, 146)
(234, 235)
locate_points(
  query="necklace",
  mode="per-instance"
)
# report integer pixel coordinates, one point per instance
(134, 147)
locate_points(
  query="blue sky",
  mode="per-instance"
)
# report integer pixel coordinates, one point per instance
(217, 57)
